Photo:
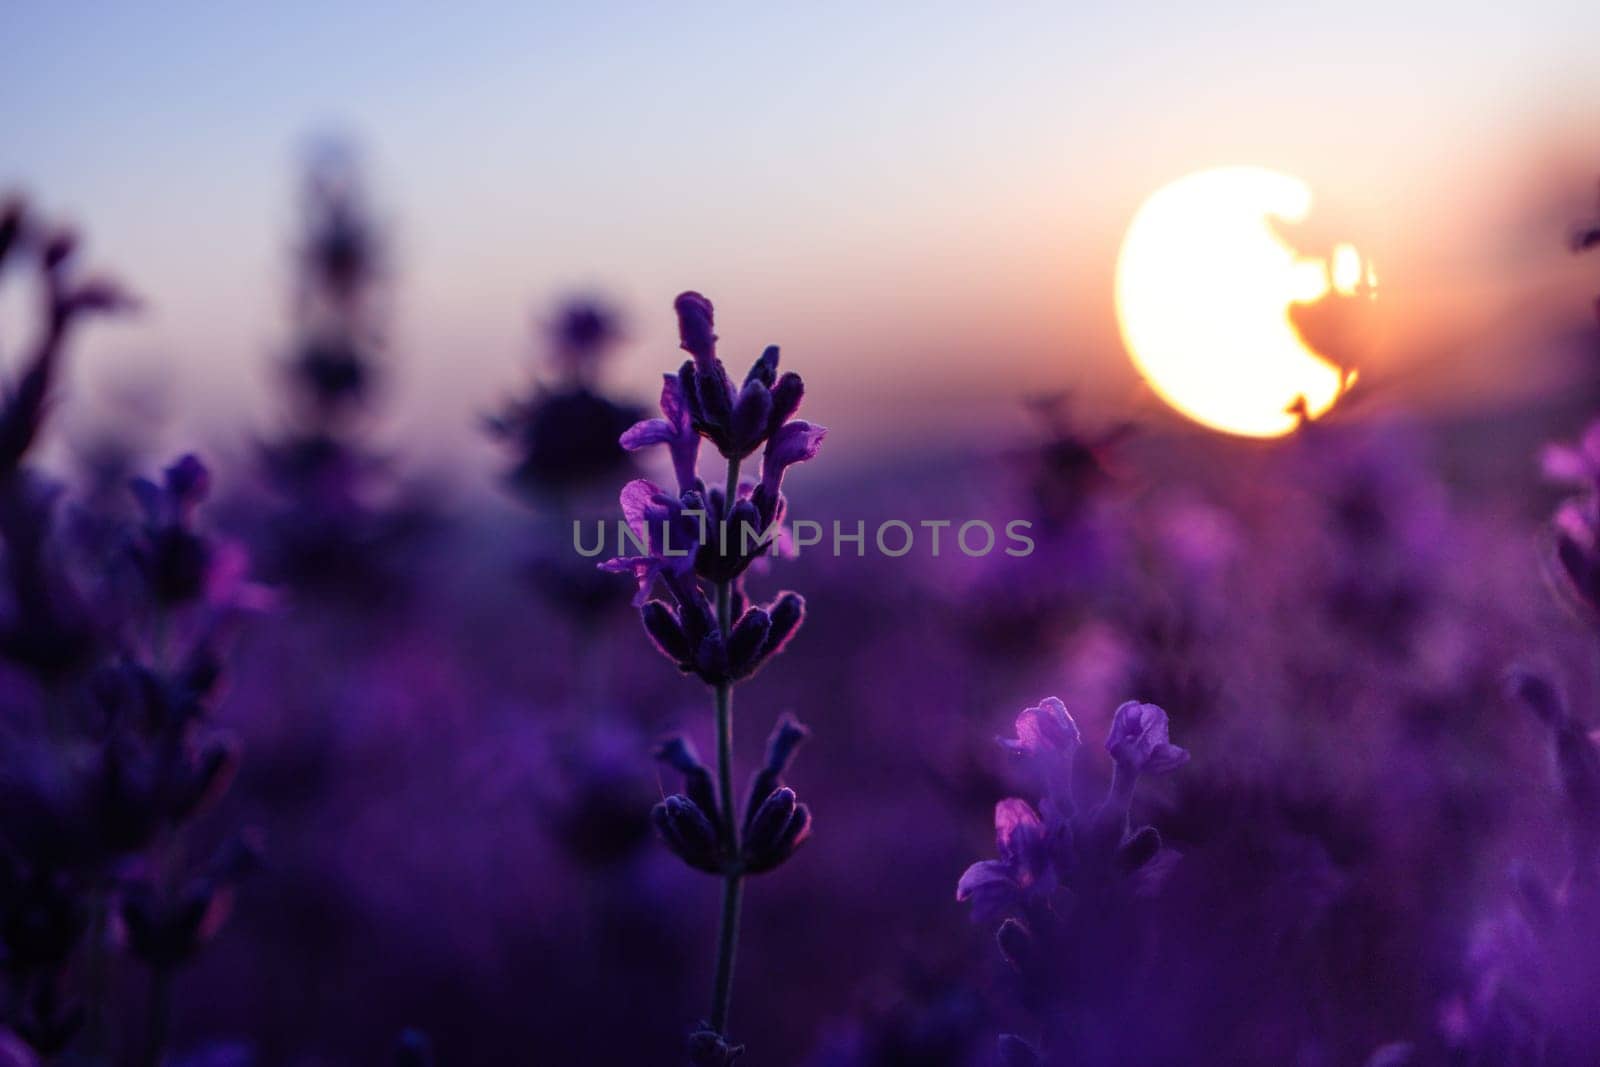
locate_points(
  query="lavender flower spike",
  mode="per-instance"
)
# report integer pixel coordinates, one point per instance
(707, 625)
(674, 429)
(737, 422)
(1062, 888)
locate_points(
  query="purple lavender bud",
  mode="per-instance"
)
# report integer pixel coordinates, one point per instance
(779, 826)
(1138, 849)
(744, 523)
(747, 642)
(662, 624)
(688, 833)
(770, 819)
(695, 333)
(678, 753)
(707, 1048)
(1015, 1052)
(689, 386)
(715, 395)
(788, 612)
(786, 397)
(1016, 945)
(748, 424)
(785, 739)
(764, 369)
(1138, 740)
(1047, 728)
(711, 659)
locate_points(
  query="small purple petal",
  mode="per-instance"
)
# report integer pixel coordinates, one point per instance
(983, 875)
(794, 442)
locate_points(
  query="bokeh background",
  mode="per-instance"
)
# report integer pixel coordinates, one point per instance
(445, 720)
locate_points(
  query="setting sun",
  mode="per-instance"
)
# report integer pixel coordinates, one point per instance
(1204, 292)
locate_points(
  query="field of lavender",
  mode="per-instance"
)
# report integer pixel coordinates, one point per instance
(1261, 753)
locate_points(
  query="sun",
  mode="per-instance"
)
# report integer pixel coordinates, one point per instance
(1205, 289)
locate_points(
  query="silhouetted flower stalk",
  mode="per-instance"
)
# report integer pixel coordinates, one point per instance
(1063, 888)
(563, 439)
(343, 520)
(122, 641)
(697, 537)
(563, 434)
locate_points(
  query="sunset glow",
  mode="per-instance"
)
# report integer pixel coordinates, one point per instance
(1204, 293)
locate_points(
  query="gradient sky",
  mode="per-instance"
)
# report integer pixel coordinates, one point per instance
(921, 203)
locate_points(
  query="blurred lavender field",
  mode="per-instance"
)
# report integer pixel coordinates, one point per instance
(312, 756)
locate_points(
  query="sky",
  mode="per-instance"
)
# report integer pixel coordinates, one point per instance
(921, 203)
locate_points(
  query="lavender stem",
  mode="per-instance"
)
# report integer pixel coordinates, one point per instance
(728, 929)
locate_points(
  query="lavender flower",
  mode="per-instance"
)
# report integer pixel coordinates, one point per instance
(700, 539)
(673, 429)
(736, 422)
(564, 434)
(342, 526)
(1065, 879)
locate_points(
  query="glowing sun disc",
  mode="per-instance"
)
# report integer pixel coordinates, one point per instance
(1204, 288)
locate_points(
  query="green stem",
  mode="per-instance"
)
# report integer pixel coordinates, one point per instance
(733, 878)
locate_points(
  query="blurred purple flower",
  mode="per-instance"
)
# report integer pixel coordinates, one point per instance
(1138, 741)
(1062, 885)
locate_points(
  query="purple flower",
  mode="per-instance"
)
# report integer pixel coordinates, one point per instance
(1046, 729)
(685, 631)
(737, 422)
(994, 886)
(775, 823)
(695, 333)
(793, 442)
(178, 563)
(667, 529)
(1064, 882)
(674, 429)
(1138, 741)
